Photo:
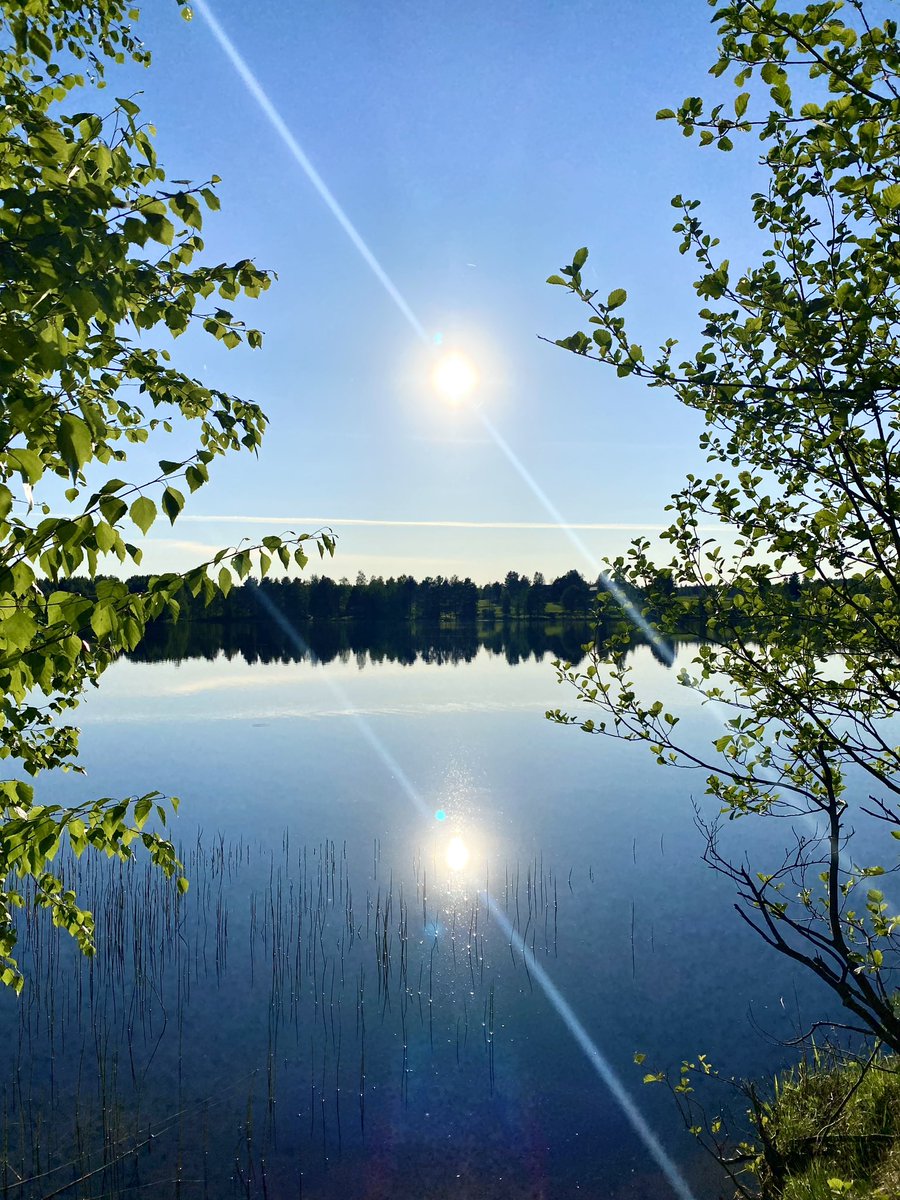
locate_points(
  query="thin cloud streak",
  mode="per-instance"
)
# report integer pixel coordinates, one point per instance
(213, 519)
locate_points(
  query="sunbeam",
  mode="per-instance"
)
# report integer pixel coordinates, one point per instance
(254, 87)
(457, 858)
(368, 733)
(634, 615)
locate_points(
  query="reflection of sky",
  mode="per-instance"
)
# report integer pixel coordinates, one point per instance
(195, 688)
(471, 738)
(199, 688)
(609, 836)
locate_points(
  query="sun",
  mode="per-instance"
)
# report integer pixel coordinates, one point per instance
(454, 377)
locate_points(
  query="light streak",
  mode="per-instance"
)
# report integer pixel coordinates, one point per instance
(598, 1061)
(564, 1010)
(634, 615)
(255, 88)
(570, 529)
(365, 729)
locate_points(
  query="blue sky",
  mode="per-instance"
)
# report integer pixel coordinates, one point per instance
(474, 147)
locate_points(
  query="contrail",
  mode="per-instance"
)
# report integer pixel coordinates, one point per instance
(636, 617)
(570, 529)
(563, 526)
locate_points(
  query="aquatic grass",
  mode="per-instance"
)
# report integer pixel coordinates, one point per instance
(308, 985)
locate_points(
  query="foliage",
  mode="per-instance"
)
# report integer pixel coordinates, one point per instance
(96, 251)
(798, 379)
(830, 1127)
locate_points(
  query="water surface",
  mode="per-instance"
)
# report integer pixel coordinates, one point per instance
(334, 1009)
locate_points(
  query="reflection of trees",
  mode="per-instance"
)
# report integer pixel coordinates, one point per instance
(367, 642)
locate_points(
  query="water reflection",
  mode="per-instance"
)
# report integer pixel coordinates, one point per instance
(457, 854)
(313, 995)
(264, 641)
(247, 1009)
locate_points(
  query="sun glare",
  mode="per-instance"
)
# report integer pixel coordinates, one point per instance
(454, 377)
(457, 854)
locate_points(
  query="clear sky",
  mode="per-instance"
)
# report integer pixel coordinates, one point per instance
(474, 147)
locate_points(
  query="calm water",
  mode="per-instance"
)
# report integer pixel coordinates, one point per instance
(334, 1010)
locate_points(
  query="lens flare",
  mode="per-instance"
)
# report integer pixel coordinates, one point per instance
(454, 377)
(457, 854)
(461, 379)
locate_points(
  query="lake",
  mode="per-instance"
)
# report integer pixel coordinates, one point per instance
(426, 933)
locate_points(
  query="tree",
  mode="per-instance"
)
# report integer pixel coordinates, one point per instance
(96, 253)
(798, 379)
(572, 592)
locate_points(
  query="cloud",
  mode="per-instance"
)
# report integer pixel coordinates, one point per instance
(204, 548)
(335, 522)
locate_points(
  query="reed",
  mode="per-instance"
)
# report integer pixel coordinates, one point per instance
(271, 960)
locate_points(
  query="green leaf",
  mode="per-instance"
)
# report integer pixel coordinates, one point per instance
(616, 298)
(106, 537)
(27, 463)
(113, 509)
(104, 618)
(172, 503)
(825, 518)
(143, 513)
(18, 628)
(74, 442)
(84, 295)
(580, 258)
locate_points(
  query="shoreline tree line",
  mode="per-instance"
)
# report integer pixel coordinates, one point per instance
(438, 600)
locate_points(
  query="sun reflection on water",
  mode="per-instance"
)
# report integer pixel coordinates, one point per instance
(457, 853)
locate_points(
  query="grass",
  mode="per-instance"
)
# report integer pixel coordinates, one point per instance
(833, 1129)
